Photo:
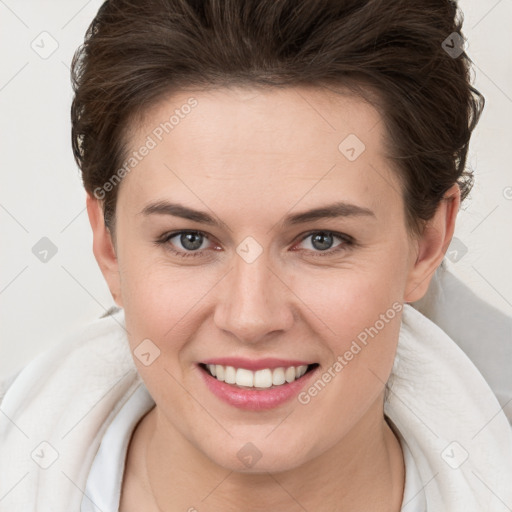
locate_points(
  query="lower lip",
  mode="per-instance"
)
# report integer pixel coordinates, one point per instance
(254, 399)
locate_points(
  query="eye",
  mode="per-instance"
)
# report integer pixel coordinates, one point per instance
(191, 241)
(322, 241)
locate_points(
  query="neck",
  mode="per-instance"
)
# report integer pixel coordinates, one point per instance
(364, 471)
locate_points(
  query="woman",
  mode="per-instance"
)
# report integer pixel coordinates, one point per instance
(270, 186)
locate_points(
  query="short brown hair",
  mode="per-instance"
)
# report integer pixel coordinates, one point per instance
(136, 52)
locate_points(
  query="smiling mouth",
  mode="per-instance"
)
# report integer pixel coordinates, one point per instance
(266, 378)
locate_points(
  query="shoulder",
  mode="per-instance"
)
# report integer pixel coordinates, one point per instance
(6, 382)
(88, 353)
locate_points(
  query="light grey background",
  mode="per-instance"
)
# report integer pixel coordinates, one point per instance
(41, 194)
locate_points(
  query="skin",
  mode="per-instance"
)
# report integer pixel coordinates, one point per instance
(249, 158)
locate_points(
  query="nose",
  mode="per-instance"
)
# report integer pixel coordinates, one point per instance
(254, 302)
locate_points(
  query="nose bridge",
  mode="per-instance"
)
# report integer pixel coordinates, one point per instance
(253, 301)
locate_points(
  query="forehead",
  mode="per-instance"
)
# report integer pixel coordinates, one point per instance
(239, 119)
(277, 143)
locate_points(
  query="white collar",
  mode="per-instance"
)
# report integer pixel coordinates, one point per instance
(451, 420)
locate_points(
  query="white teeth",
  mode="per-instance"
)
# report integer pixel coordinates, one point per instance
(289, 374)
(262, 379)
(219, 372)
(278, 376)
(300, 371)
(244, 377)
(230, 375)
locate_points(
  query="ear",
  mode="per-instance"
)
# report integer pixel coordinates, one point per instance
(432, 245)
(103, 248)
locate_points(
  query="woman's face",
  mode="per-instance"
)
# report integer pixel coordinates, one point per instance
(255, 284)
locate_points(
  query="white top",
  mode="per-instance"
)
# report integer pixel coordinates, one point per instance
(57, 418)
(103, 490)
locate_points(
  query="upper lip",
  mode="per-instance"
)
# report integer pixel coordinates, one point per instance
(256, 364)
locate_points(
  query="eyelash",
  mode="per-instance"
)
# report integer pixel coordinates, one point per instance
(348, 243)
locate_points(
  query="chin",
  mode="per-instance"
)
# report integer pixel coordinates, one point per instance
(254, 457)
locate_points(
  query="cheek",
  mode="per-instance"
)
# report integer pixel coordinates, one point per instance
(158, 297)
(345, 301)
(357, 315)
(166, 304)
(363, 317)
(158, 304)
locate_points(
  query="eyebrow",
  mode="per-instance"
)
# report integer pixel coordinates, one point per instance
(334, 210)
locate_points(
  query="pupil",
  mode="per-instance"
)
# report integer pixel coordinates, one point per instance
(324, 245)
(320, 241)
(185, 240)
